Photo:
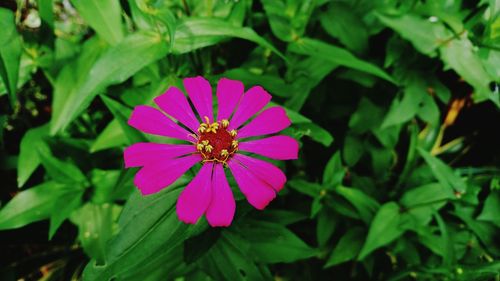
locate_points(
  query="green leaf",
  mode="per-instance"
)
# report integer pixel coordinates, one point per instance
(64, 206)
(334, 171)
(459, 54)
(231, 259)
(308, 73)
(150, 235)
(195, 247)
(104, 16)
(365, 205)
(95, 227)
(114, 66)
(326, 225)
(193, 33)
(34, 204)
(315, 132)
(273, 243)
(274, 84)
(111, 136)
(160, 12)
(425, 35)
(10, 53)
(341, 22)
(405, 109)
(352, 150)
(427, 194)
(491, 209)
(385, 228)
(29, 159)
(61, 171)
(347, 248)
(121, 114)
(312, 189)
(337, 56)
(288, 19)
(443, 173)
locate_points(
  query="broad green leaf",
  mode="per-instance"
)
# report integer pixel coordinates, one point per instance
(121, 114)
(491, 209)
(336, 56)
(114, 66)
(273, 243)
(10, 53)
(95, 227)
(72, 76)
(461, 56)
(34, 204)
(427, 194)
(341, 22)
(425, 35)
(352, 150)
(104, 16)
(29, 159)
(274, 84)
(348, 247)
(196, 246)
(443, 173)
(46, 12)
(405, 109)
(149, 232)
(231, 259)
(61, 171)
(365, 205)
(334, 171)
(312, 189)
(111, 136)
(385, 227)
(326, 225)
(104, 183)
(315, 132)
(64, 206)
(193, 33)
(288, 18)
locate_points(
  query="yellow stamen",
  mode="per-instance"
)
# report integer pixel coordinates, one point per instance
(233, 133)
(209, 148)
(234, 143)
(224, 123)
(205, 142)
(224, 153)
(207, 120)
(200, 147)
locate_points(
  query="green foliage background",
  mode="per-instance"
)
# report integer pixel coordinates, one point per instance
(388, 185)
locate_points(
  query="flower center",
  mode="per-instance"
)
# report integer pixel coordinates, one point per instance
(215, 142)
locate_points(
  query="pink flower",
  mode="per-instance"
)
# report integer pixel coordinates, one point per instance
(215, 143)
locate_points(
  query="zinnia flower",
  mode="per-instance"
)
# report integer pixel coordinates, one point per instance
(215, 143)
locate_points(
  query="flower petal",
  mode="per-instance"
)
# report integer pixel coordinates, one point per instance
(276, 147)
(263, 170)
(195, 198)
(175, 104)
(222, 208)
(270, 121)
(160, 174)
(150, 120)
(140, 154)
(257, 192)
(200, 93)
(229, 93)
(252, 102)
